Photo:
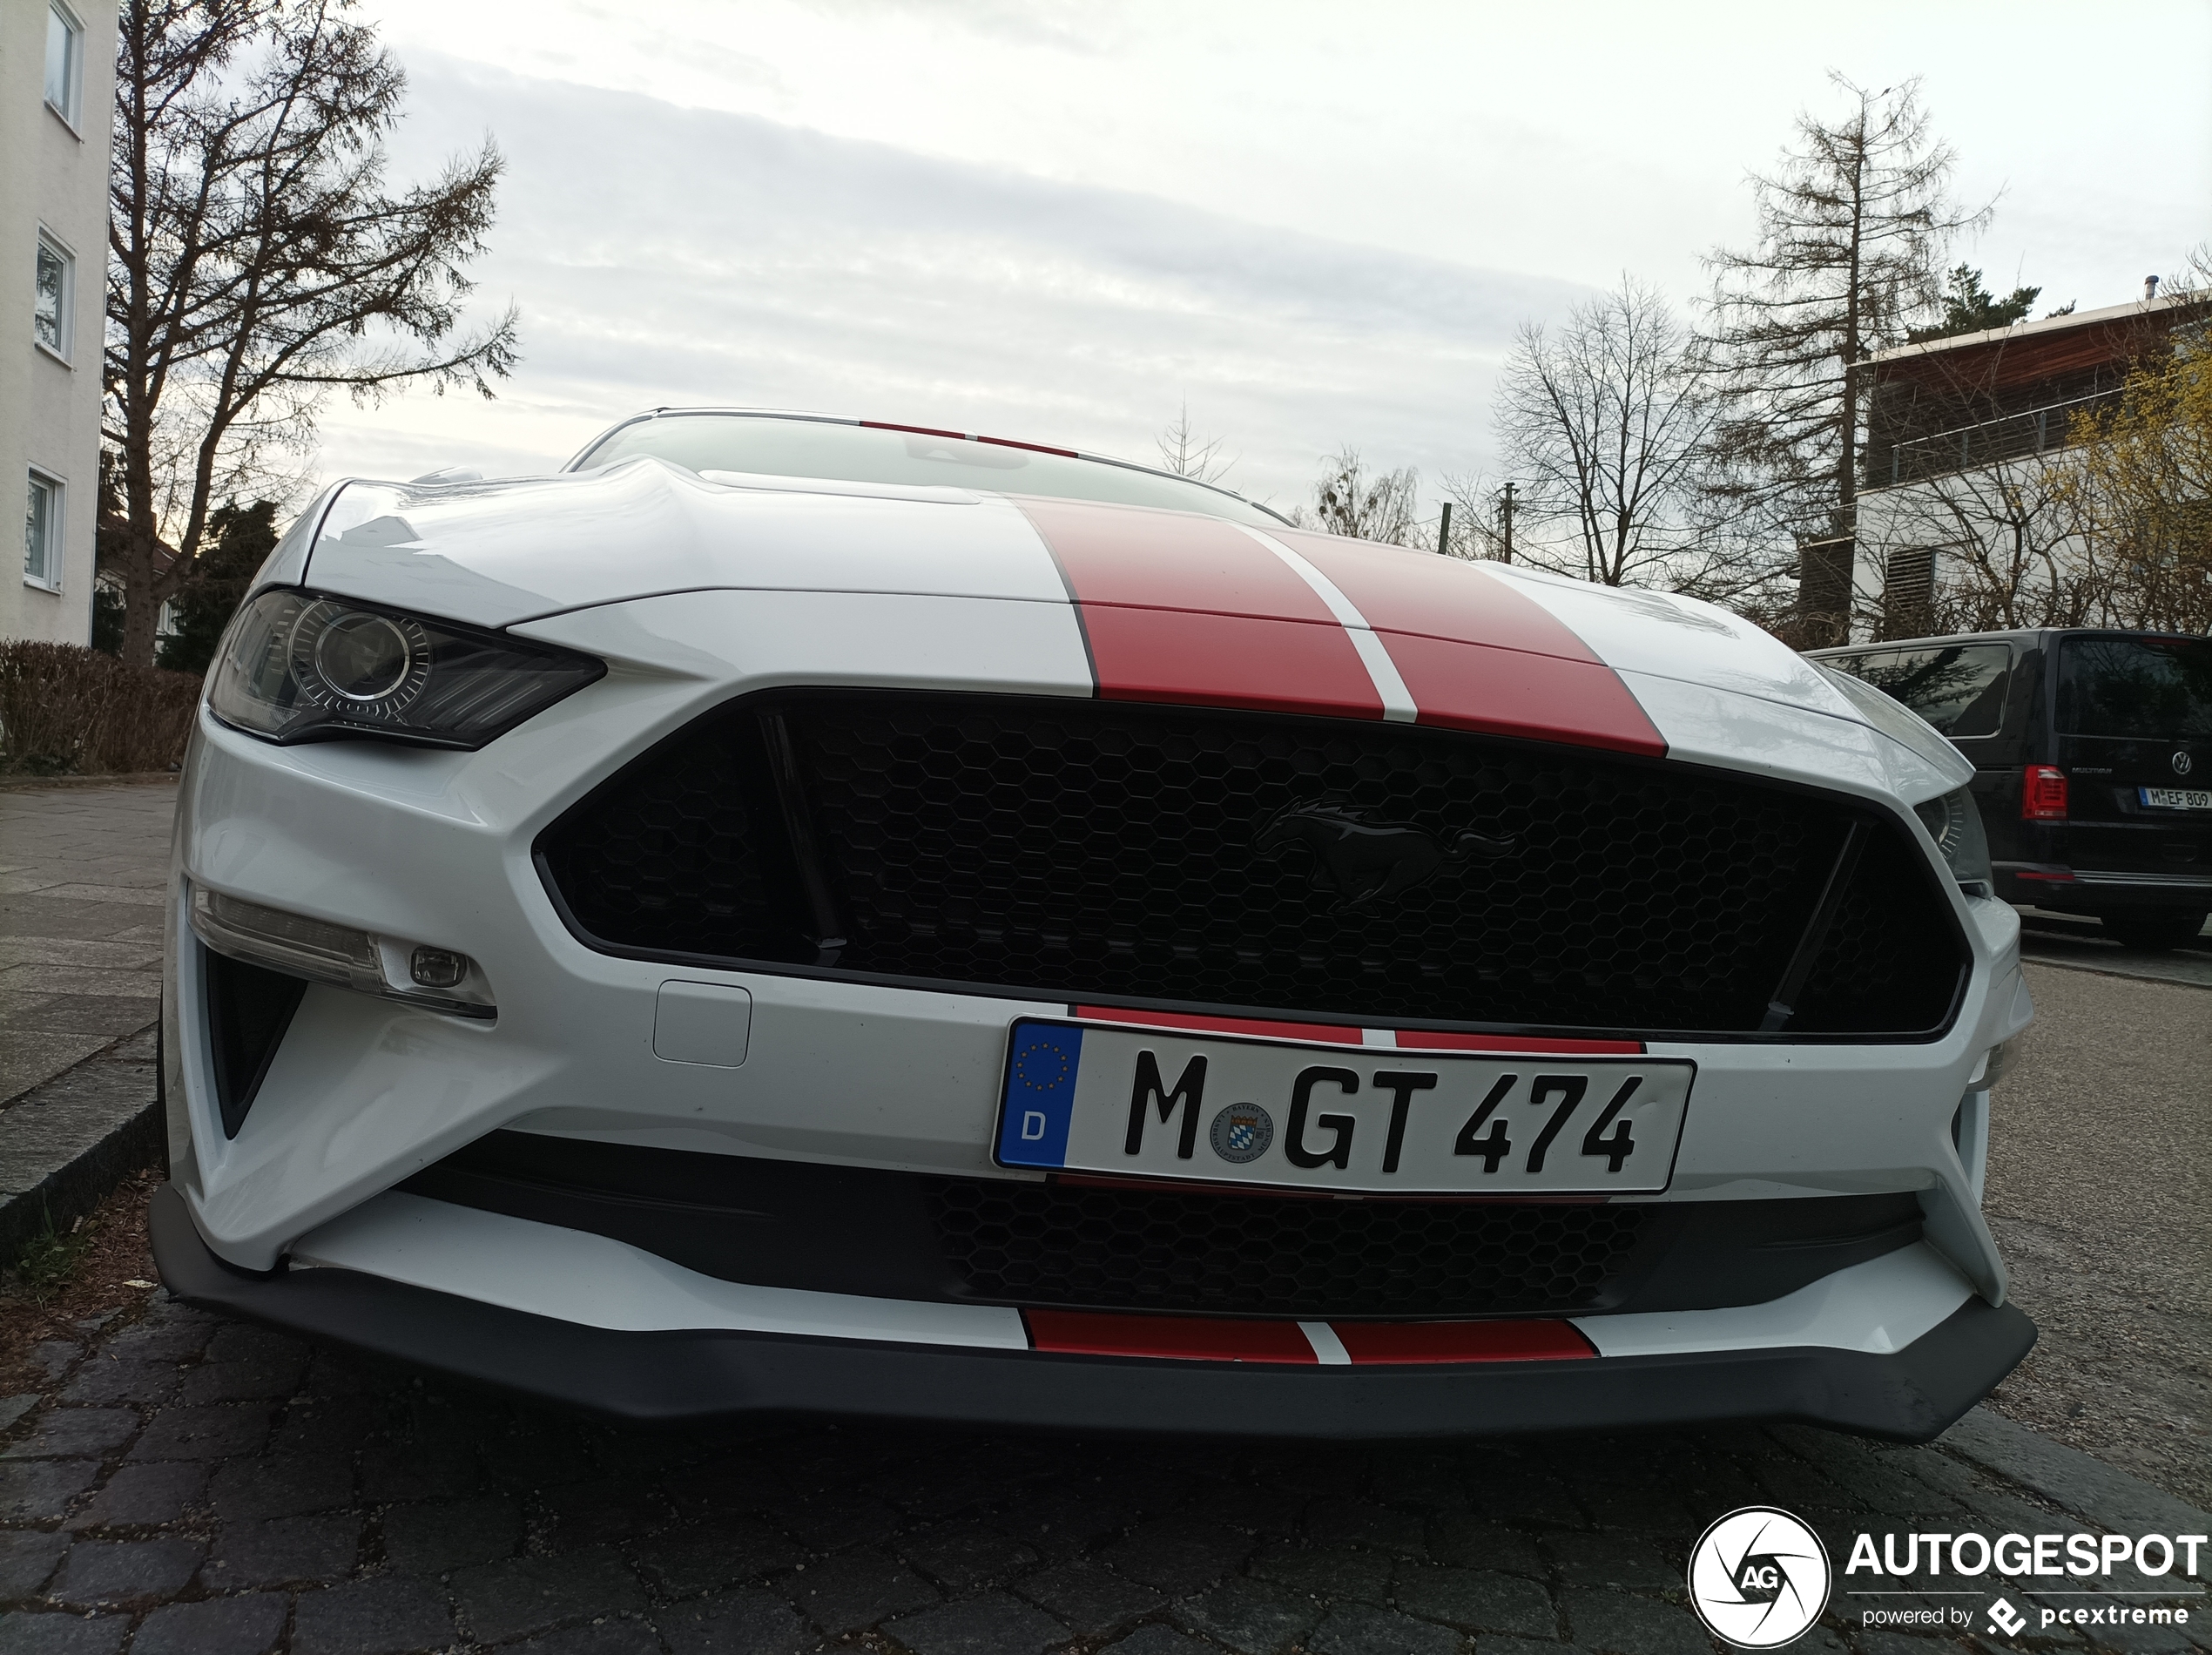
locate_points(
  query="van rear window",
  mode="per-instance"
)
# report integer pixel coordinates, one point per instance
(2151, 688)
(1959, 688)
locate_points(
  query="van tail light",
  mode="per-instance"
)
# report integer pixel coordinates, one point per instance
(2043, 793)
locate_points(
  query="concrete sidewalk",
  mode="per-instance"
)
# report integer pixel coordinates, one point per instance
(82, 870)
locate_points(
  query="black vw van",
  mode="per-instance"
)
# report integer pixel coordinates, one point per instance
(2092, 763)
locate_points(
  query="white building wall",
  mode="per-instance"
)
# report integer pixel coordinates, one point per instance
(1909, 516)
(53, 179)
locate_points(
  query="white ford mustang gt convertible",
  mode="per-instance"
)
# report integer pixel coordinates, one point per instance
(793, 914)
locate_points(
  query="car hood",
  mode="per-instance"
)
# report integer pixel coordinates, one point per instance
(1172, 605)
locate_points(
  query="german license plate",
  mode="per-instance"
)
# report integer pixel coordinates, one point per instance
(1221, 1109)
(2176, 798)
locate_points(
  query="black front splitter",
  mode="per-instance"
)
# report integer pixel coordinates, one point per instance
(695, 1375)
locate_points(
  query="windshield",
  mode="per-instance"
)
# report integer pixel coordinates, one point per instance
(1958, 688)
(836, 451)
(2155, 687)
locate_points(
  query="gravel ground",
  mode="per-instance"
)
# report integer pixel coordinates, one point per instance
(2100, 1197)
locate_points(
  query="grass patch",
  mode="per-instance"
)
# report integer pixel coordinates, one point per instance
(43, 1268)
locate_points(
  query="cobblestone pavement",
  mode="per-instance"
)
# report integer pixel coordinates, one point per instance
(81, 873)
(189, 1484)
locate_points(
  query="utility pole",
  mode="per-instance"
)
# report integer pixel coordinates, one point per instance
(1444, 532)
(1508, 514)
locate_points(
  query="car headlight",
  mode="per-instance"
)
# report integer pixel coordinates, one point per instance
(1954, 822)
(300, 666)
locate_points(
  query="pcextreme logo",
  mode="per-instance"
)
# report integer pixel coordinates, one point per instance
(1758, 1577)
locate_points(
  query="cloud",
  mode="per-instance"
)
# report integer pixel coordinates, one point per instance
(665, 256)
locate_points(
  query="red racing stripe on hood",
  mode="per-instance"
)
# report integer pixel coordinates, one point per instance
(1476, 653)
(1180, 608)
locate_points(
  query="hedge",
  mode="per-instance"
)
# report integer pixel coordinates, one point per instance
(68, 709)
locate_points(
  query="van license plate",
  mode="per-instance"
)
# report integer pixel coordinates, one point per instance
(2175, 799)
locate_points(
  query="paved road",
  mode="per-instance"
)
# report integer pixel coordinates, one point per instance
(2071, 941)
(81, 873)
(2100, 1197)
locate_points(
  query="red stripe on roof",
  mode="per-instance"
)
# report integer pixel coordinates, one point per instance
(1425, 1040)
(1180, 1338)
(1227, 660)
(1335, 1034)
(1502, 691)
(966, 436)
(1394, 1342)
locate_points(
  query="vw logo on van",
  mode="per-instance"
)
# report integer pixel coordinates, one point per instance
(2180, 764)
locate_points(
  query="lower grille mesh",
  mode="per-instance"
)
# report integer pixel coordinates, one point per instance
(1256, 1255)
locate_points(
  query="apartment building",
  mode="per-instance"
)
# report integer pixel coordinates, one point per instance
(57, 100)
(1965, 442)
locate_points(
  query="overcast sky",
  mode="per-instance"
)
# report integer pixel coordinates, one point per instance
(1318, 222)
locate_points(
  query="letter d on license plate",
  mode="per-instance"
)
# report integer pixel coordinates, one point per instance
(1224, 1109)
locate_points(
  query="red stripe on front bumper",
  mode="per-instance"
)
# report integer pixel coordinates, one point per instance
(1089, 1332)
(1334, 1034)
(1085, 1332)
(1398, 1343)
(1513, 1045)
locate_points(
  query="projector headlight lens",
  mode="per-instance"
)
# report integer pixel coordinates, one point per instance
(302, 666)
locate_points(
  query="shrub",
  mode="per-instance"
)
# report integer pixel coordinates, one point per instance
(67, 709)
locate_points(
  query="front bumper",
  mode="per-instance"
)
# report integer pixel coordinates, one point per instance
(672, 1376)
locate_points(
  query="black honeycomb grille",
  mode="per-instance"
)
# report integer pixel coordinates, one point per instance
(1058, 1245)
(1084, 850)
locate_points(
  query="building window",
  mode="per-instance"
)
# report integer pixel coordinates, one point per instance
(49, 314)
(42, 534)
(64, 61)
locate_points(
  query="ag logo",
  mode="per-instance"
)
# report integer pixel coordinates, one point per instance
(1758, 1577)
(2182, 764)
(1242, 1132)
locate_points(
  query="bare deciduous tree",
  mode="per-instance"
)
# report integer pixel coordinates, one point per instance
(2006, 549)
(1603, 425)
(2141, 475)
(1477, 526)
(1188, 455)
(1348, 500)
(258, 261)
(1854, 227)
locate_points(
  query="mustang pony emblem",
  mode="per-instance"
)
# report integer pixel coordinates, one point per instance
(1367, 862)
